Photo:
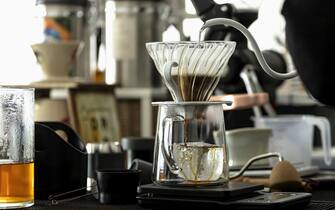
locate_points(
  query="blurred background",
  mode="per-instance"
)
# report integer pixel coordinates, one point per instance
(67, 48)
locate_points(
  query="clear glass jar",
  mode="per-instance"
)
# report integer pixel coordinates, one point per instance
(16, 147)
(190, 146)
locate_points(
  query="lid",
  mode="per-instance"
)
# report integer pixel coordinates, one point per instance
(66, 2)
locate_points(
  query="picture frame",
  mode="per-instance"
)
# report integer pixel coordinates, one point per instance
(93, 113)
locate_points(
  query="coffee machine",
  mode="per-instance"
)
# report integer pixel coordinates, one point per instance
(243, 58)
(243, 55)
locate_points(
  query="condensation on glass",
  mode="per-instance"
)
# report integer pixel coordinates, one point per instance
(16, 147)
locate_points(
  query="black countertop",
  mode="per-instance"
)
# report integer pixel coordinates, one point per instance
(325, 191)
(90, 202)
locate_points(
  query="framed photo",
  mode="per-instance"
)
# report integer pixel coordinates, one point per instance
(94, 114)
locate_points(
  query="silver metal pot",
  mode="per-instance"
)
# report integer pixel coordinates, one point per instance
(129, 25)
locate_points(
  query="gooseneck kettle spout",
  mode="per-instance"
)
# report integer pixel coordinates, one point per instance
(255, 48)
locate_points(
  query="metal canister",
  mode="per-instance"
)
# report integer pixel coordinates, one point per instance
(67, 20)
(129, 25)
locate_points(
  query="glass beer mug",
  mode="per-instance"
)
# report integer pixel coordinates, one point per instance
(16, 147)
(190, 146)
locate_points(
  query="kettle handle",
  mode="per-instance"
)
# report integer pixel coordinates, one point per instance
(168, 125)
(251, 39)
(254, 159)
(323, 125)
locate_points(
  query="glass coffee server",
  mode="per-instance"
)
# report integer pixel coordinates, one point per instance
(190, 144)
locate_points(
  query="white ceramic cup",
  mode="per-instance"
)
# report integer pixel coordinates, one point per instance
(57, 58)
(245, 143)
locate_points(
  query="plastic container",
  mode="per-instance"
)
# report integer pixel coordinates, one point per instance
(293, 137)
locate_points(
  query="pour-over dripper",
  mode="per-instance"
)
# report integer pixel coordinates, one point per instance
(191, 70)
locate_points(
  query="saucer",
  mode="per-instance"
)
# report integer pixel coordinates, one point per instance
(60, 79)
(56, 82)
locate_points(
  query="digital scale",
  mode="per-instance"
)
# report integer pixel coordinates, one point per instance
(234, 195)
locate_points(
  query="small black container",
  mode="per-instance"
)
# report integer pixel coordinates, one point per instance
(118, 186)
(100, 157)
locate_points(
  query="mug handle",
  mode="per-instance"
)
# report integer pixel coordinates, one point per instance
(251, 39)
(169, 124)
(323, 125)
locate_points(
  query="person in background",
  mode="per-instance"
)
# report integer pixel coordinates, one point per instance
(307, 29)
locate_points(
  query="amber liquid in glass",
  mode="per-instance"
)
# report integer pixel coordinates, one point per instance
(16, 182)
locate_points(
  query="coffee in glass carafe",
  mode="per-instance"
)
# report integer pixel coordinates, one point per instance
(190, 145)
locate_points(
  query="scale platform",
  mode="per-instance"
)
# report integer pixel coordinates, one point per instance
(234, 195)
(231, 189)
